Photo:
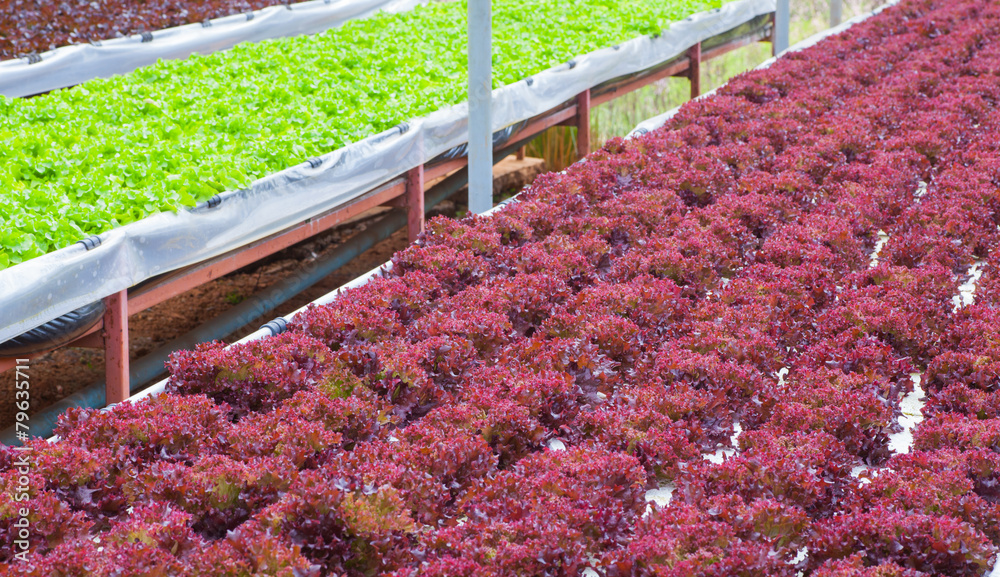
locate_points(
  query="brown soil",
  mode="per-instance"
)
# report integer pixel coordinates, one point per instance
(60, 373)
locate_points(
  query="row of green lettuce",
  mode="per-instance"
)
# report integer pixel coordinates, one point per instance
(82, 161)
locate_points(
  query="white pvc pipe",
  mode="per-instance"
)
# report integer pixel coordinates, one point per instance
(480, 105)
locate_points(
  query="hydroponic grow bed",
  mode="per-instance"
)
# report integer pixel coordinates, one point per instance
(109, 37)
(82, 161)
(45, 287)
(507, 399)
(48, 25)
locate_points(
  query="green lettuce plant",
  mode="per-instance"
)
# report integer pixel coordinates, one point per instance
(83, 160)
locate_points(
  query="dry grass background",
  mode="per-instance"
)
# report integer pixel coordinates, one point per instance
(618, 117)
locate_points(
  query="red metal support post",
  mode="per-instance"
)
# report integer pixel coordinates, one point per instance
(774, 17)
(415, 202)
(694, 70)
(583, 124)
(116, 348)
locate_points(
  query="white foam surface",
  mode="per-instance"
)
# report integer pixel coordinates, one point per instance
(882, 239)
(911, 406)
(967, 290)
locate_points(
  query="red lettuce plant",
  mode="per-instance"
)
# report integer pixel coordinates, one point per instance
(254, 376)
(504, 399)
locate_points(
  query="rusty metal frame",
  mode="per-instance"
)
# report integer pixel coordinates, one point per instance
(583, 124)
(115, 333)
(694, 69)
(613, 90)
(111, 333)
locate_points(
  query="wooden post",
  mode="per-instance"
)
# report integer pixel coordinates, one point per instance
(415, 202)
(694, 70)
(116, 383)
(520, 153)
(583, 124)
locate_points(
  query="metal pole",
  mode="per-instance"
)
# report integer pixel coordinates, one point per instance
(836, 12)
(782, 17)
(480, 104)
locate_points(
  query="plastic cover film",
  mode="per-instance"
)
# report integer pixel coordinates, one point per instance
(500, 138)
(74, 64)
(46, 287)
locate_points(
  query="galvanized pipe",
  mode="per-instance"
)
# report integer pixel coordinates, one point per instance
(480, 105)
(836, 12)
(782, 20)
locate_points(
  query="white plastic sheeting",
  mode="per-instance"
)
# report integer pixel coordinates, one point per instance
(49, 286)
(77, 63)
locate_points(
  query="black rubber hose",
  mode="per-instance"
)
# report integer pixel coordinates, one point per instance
(54, 333)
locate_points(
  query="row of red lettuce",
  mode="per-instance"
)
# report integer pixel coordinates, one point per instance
(40, 26)
(639, 308)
